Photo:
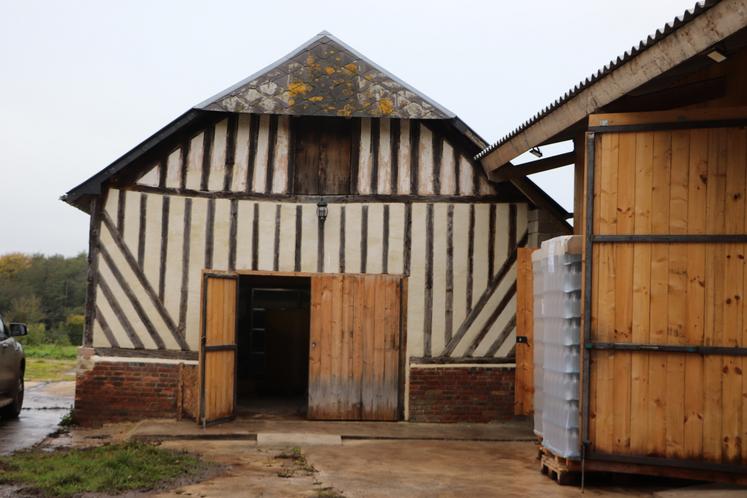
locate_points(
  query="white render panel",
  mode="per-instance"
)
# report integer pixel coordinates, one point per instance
(466, 177)
(396, 238)
(425, 162)
(174, 169)
(353, 213)
(174, 255)
(153, 223)
(461, 235)
(221, 234)
(416, 284)
(332, 239)
(280, 167)
(365, 158)
(244, 231)
(196, 265)
(266, 249)
(132, 220)
(260, 160)
(438, 310)
(217, 171)
(482, 232)
(309, 237)
(448, 170)
(374, 254)
(241, 156)
(287, 237)
(384, 179)
(194, 162)
(403, 158)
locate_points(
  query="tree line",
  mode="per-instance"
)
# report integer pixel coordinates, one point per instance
(46, 292)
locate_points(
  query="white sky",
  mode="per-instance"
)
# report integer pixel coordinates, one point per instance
(82, 82)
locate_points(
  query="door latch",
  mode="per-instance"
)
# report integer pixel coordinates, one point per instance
(522, 339)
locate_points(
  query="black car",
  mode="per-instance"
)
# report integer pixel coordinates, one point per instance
(12, 368)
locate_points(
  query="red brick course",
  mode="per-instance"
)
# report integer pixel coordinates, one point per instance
(114, 391)
(448, 394)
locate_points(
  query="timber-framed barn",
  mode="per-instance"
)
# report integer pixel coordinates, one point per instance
(316, 240)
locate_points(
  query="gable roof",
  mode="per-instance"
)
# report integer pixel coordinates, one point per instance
(323, 77)
(686, 36)
(326, 77)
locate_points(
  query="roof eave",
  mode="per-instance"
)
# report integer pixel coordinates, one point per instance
(688, 37)
(92, 186)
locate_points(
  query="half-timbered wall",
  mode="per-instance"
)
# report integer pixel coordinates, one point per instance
(460, 259)
(390, 157)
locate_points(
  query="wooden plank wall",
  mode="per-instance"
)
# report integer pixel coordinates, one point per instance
(524, 384)
(460, 258)
(251, 154)
(664, 404)
(354, 363)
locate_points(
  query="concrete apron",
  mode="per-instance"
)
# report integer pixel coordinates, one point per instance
(305, 432)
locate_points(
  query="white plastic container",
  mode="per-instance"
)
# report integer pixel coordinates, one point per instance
(557, 345)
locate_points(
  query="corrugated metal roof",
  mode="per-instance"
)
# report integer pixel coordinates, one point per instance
(634, 51)
(326, 77)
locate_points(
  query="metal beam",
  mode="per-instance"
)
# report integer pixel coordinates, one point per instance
(510, 171)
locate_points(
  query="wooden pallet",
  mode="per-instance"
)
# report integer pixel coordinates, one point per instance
(559, 469)
(566, 471)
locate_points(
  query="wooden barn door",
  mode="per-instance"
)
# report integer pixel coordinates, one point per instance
(524, 374)
(354, 360)
(668, 319)
(218, 348)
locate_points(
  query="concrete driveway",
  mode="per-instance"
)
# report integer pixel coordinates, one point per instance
(407, 468)
(44, 405)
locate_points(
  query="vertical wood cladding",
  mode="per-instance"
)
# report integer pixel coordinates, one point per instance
(257, 154)
(445, 248)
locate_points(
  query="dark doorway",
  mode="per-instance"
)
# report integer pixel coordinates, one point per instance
(273, 346)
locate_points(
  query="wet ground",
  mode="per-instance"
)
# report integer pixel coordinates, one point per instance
(418, 469)
(44, 405)
(363, 460)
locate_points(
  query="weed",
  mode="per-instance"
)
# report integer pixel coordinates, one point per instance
(68, 420)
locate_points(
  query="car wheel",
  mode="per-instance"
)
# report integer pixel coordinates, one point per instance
(13, 410)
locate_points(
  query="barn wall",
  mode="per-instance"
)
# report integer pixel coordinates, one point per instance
(461, 258)
(391, 157)
(419, 207)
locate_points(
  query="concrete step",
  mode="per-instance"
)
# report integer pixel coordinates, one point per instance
(297, 439)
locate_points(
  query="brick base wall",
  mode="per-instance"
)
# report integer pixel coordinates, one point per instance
(118, 391)
(448, 394)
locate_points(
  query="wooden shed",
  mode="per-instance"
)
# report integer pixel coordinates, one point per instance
(318, 241)
(660, 154)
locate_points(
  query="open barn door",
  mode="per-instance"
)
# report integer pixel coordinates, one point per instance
(218, 348)
(354, 358)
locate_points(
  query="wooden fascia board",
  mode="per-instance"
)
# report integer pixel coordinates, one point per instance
(722, 20)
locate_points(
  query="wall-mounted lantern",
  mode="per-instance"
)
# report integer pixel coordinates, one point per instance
(321, 211)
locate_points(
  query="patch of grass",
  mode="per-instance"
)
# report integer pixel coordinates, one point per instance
(112, 469)
(41, 369)
(51, 351)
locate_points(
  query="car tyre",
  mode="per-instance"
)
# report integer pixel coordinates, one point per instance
(13, 410)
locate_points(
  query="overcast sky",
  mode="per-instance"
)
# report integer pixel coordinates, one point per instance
(84, 82)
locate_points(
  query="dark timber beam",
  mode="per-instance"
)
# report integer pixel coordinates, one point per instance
(510, 171)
